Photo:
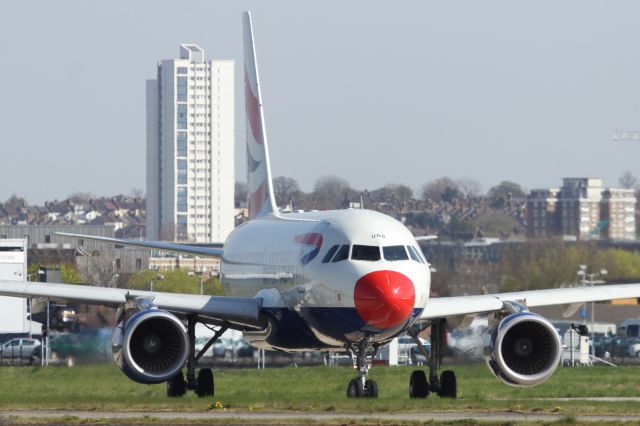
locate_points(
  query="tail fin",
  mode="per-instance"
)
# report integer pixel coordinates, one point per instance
(261, 197)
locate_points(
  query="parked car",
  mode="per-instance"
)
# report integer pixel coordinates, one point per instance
(408, 348)
(245, 350)
(199, 344)
(633, 348)
(629, 328)
(89, 345)
(22, 348)
(221, 347)
(469, 343)
(624, 347)
(602, 345)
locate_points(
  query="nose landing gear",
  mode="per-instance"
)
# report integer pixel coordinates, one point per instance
(444, 386)
(361, 354)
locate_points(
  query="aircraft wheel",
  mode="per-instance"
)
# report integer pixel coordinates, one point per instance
(371, 389)
(418, 386)
(448, 384)
(204, 383)
(354, 390)
(176, 386)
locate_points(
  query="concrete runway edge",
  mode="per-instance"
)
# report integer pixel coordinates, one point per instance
(319, 417)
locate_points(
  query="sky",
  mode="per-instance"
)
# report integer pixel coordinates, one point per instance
(373, 92)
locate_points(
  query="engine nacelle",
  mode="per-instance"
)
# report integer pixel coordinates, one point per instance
(151, 346)
(525, 350)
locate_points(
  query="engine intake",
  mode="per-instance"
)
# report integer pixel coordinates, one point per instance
(525, 350)
(151, 346)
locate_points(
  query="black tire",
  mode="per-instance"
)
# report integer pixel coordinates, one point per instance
(371, 389)
(354, 390)
(448, 385)
(204, 383)
(176, 386)
(418, 385)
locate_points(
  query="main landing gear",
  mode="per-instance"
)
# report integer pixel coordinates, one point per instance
(361, 354)
(445, 385)
(203, 383)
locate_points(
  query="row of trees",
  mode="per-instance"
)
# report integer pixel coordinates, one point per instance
(330, 192)
(173, 281)
(533, 266)
(554, 263)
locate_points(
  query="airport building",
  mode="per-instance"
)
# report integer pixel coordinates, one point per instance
(582, 209)
(45, 247)
(190, 148)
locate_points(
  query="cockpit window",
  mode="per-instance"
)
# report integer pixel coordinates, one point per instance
(413, 254)
(395, 253)
(369, 253)
(330, 253)
(420, 254)
(342, 254)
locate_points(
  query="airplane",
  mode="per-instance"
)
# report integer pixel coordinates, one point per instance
(345, 280)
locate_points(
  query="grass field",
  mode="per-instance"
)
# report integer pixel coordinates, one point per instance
(104, 387)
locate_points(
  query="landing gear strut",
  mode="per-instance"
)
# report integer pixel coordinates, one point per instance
(203, 383)
(361, 354)
(445, 385)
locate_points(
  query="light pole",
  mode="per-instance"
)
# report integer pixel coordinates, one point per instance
(589, 278)
(203, 269)
(158, 277)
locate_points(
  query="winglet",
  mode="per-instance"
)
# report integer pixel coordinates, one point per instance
(260, 185)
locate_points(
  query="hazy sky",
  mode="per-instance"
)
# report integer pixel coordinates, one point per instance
(374, 92)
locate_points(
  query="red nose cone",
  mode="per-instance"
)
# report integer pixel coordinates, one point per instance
(384, 298)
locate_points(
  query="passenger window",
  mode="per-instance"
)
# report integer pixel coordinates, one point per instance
(368, 253)
(330, 253)
(395, 253)
(342, 254)
(413, 254)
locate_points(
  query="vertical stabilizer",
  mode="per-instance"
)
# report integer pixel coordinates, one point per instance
(261, 199)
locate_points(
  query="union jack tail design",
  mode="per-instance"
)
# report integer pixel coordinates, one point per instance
(261, 199)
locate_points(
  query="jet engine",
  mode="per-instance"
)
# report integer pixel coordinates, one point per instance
(524, 351)
(151, 346)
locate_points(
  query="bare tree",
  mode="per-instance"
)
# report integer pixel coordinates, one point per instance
(15, 201)
(628, 180)
(440, 189)
(284, 189)
(401, 193)
(136, 193)
(329, 191)
(79, 196)
(470, 188)
(99, 268)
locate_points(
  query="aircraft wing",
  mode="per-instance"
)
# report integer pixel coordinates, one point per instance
(442, 307)
(153, 245)
(237, 312)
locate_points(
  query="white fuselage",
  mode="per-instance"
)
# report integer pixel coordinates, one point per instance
(327, 279)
